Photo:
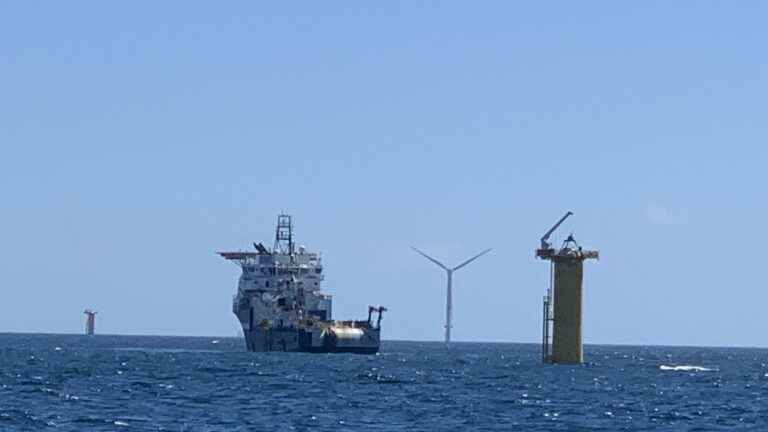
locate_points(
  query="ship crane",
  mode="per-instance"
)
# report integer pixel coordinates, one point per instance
(380, 310)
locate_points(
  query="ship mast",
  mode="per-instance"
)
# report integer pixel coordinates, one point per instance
(284, 234)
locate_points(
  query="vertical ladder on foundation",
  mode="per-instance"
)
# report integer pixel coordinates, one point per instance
(547, 320)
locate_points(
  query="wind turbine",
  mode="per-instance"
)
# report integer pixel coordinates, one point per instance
(449, 296)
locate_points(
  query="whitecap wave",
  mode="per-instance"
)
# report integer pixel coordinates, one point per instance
(686, 368)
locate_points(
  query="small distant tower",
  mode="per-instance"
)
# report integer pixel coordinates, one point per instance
(562, 303)
(90, 322)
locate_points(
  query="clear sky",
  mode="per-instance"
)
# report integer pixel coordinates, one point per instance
(138, 138)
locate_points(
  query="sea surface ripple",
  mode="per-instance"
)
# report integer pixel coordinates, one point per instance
(145, 383)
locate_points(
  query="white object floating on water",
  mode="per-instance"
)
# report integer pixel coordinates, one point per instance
(57, 349)
(215, 341)
(120, 423)
(686, 368)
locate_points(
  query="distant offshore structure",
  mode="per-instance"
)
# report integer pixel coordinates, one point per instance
(563, 301)
(449, 289)
(90, 322)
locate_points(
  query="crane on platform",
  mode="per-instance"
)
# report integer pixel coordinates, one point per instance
(545, 245)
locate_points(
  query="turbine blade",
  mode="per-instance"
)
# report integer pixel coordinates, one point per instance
(430, 258)
(471, 259)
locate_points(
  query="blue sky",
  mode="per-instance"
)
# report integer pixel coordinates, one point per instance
(138, 139)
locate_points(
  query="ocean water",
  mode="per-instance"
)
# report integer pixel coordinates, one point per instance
(127, 383)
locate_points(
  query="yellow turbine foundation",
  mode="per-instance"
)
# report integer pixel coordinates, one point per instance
(562, 304)
(566, 333)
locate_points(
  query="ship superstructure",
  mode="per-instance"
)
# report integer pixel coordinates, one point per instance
(281, 307)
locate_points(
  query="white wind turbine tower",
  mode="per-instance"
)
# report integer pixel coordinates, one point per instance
(449, 296)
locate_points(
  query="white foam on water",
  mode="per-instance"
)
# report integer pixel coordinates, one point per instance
(686, 368)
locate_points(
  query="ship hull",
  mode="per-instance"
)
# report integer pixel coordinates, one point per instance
(309, 341)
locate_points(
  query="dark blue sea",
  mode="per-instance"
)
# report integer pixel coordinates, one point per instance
(143, 383)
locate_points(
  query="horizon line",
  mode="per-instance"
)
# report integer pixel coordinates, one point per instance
(441, 342)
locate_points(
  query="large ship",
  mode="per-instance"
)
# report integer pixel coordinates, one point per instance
(281, 307)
